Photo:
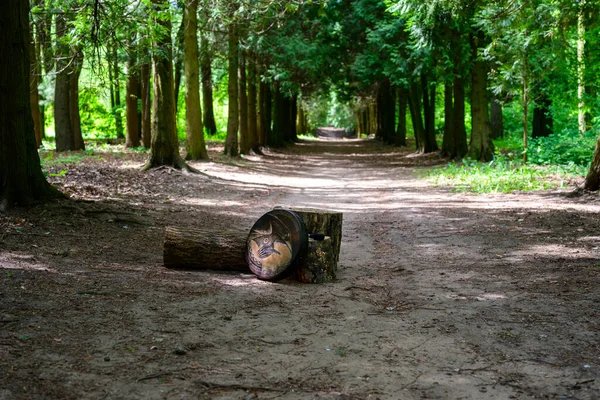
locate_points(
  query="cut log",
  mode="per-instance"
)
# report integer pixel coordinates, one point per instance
(328, 223)
(205, 249)
(225, 250)
(319, 264)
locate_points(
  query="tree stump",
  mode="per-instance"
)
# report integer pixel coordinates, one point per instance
(204, 249)
(328, 223)
(319, 264)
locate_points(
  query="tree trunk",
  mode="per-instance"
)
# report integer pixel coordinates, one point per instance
(481, 147)
(386, 112)
(178, 60)
(62, 110)
(448, 139)
(77, 63)
(132, 91)
(117, 93)
(205, 249)
(401, 127)
(458, 119)
(146, 105)
(34, 96)
(210, 125)
(245, 145)
(592, 180)
(281, 114)
(195, 146)
(320, 263)
(542, 117)
(414, 104)
(252, 111)
(264, 112)
(164, 149)
(581, 67)
(21, 178)
(525, 105)
(233, 117)
(328, 223)
(496, 123)
(429, 92)
(300, 127)
(293, 107)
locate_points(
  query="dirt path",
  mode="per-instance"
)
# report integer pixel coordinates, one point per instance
(439, 295)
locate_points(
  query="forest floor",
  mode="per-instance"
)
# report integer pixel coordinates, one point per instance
(439, 295)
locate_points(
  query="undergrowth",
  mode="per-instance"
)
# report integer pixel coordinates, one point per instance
(503, 176)
(554, 162)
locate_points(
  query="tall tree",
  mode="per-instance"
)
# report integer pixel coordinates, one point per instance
(481, 147)
(164, 149)
(116, 71)
(34, 81)
(245, 145)
(233, 118)
(21, 178)
(63, 126)
(196, 149)
(207, 86)
(146, 105)
(132, 95)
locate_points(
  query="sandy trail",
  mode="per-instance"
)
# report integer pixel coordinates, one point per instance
(439, 295)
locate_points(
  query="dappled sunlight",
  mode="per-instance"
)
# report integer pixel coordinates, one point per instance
(242, 280)
(481, 297)
(26, 262)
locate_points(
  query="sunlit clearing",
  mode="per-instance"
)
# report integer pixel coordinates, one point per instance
(24, 262)
(243, 280)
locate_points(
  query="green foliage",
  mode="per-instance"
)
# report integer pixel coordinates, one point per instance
(502, 176)
(565, 148)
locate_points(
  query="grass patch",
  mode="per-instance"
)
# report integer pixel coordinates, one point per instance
(503, 176)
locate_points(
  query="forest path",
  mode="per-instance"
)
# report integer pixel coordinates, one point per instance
(439, 295)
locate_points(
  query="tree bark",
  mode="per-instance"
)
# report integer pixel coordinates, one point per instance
(77, 63)
(481, 147)
(329, 223)
(164, 148)
(592, 179)
(117, 93)
(280, 118)
(178, 60)
(264, 113)
(146, 105)
(414, 104)
(21, 178)
(62, 109)
(233, 117)
(458, 119)
(243, 104)
(581, 67)
(34, 96)
(300, 126)
(293, 132)
(386, 112)
(496, 123)
(205, 249)
(210, 125)
(252, 110)
(132, 93)
(319, 264)
(195, 146)
(448, 139)
(401, 128)
(429, 92)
